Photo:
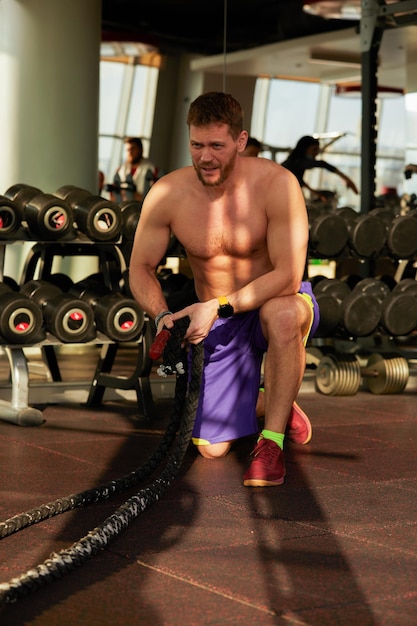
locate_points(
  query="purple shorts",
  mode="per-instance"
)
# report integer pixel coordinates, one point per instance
(233, 354)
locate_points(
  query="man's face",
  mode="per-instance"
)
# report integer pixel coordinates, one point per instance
(214, 151)
(133, 153)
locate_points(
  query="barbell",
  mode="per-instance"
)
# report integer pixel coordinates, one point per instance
(342, 374)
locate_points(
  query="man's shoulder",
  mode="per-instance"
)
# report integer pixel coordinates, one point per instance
(175, 180)
(266, 167)
(182, 173)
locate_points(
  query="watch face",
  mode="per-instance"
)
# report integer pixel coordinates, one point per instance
(225, 310)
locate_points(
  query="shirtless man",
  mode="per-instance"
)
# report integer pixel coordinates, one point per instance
(243, 224)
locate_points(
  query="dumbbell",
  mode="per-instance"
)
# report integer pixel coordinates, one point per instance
(122, 191)
(329, 294)
(61, 280)
(46, 216)
(49, 218)
(341, 374)
(10, 218)
(69, 319)
(385, 214)
(407, 285)
(367, 233)
(117, 316)
(98, 218)
(344, 311)
(402, 236)
(72, 194)
(21, 194)
(328, 236)
(130, 210)
(398, 307)
(21, 319)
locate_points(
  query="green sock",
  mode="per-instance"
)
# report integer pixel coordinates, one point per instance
(277, 437)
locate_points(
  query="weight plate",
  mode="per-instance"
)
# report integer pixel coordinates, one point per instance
(386, 374)
(338, 375)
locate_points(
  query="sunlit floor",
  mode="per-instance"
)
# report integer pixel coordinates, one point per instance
(335, 545)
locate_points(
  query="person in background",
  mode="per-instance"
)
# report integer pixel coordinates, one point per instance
(136, 175)
(303, 158)
(243, 224)
(253, 147)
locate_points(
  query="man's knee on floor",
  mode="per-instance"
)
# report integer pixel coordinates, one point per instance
(214, 450)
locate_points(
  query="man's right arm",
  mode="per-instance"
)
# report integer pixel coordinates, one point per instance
(150, 244)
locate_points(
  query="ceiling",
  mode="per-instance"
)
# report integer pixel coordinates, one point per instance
(196, 27)
(260, 37)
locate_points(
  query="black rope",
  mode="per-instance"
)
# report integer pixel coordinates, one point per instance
(183, 415)
(173, 352)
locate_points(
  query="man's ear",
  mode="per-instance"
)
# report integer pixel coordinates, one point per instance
(242, 140)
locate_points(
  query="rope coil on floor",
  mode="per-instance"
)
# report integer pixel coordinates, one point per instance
(183, 415)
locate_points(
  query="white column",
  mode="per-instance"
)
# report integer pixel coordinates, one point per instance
(49, 72)
(49, 68)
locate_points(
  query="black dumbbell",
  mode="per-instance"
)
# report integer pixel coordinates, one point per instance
(328, 236)
(357, 314)
(329, 293)
(130, 210)
(72, 194)
(21, 194)
(402, 237)
(386, 214)
(398, 307)
(10, 218)
(46, 216)
(407, 285)
(21, 320)
(69, 319)
(367, 233)
(61, 280)
(98, 218)
(122, 191)
(117, 316)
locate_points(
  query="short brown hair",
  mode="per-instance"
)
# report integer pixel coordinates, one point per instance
(136, 141)
(218, 108)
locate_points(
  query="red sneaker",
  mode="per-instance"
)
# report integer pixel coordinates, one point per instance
(298, 426)
(298, 429)
(268, 466)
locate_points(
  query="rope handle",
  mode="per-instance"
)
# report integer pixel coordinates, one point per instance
(168, 344)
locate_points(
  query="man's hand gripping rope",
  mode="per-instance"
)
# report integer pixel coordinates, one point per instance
(168, 344)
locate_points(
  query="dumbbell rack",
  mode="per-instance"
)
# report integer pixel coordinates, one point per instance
(110, 262)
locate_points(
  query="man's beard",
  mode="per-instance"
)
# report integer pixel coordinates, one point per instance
(224, 174)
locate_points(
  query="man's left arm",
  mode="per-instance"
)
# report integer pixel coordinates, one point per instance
(287, 236)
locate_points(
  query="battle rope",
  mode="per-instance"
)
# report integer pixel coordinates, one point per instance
(58, 564)
(170, 351)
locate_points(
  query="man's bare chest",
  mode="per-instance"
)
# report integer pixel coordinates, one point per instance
(211, 235)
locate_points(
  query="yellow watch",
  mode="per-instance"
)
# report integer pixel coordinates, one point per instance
(225, 308)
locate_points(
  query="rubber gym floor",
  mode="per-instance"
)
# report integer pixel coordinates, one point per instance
(335, 545)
